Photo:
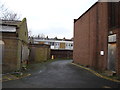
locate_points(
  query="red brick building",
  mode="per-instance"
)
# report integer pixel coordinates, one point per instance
(97, 37)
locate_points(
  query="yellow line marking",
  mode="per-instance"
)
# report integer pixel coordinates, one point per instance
(97, 74)
(9, 78)
(106, 87)
(25, 76)
(15, 78)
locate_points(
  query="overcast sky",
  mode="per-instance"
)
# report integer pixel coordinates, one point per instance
(50, 17)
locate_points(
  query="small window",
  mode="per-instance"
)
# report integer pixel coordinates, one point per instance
(66, 45)
(69, 44)
(52, 43)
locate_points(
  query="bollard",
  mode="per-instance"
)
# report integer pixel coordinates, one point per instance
(52, 56)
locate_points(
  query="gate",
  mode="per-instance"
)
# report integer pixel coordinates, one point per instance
(111, 56)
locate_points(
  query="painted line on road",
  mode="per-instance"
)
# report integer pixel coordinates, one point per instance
(97, 74)
(106, 87)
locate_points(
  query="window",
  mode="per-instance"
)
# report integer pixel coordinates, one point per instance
(52, 44)
(66, 44)
(69, 44)
(56, 44)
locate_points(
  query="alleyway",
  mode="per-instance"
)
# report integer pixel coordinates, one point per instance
(60, 74)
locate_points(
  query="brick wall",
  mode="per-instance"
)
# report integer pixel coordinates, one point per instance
(91, 32)
(93, 16)
(118, 53)
(10, 55)
(39, 52)
(62, 54)
(12, 52)
(102, 42)
(118, 44)
(12, 48)
(90, 37)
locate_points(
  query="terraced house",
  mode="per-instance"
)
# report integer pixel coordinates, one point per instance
(60, 48)
(97, 37)
(15, 44)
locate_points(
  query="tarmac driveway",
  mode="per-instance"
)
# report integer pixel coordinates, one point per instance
(60, 74)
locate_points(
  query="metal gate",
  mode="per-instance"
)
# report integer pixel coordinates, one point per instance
(112, 52)
(111, 56)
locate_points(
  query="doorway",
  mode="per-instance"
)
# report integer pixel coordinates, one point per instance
(111, 56)
(112, 52)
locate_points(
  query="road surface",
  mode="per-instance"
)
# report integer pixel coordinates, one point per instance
(60, 74)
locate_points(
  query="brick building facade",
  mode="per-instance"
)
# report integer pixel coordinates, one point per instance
(60, 48)
(97, 37)
(15, 45)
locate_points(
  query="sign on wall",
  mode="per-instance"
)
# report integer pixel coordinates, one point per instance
(112, 38)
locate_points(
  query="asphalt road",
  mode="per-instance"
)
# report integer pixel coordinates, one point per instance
(60, 74)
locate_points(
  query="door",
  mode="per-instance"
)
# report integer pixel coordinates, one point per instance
(111, 56)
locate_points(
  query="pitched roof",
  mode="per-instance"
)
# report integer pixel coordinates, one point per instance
(57, 39)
